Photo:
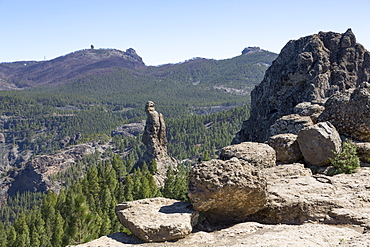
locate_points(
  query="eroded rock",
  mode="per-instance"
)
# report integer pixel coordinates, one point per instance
(286, 148)
(226, 191)
(157, 219)
(319, 143)
(257, 154)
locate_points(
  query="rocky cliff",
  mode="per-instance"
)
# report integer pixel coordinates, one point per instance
(310, 69)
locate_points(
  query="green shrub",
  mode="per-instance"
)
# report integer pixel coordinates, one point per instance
(346, 161)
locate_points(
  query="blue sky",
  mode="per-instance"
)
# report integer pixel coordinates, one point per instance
(164, 31)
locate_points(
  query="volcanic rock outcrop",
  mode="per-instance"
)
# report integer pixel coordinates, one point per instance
(310, 69)
(155, 140)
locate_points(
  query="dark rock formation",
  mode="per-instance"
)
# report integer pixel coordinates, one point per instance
(227, 191)
(309, 69)
(350, 112)
(155, 140)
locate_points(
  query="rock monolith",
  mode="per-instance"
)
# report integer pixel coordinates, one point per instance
(155, 141)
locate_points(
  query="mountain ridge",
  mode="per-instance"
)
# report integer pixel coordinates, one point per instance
(27, 74)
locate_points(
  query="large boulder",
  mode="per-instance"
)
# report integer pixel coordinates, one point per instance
(350, 113)
(319, 143)
(257, 154)
(157, 219)
(309, 69)
(286, 148)
(292, 124)
(227, 191)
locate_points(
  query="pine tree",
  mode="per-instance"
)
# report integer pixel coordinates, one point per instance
(153, 167)
(58, 232)
(129, 188)
(3, 239)
(11, 236)
(22, 230)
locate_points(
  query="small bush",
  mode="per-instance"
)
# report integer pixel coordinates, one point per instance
(347, 160)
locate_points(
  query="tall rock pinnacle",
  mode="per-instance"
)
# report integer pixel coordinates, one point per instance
(155, 140)
(154, 136)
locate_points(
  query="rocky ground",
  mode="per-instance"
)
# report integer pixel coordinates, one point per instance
(254, 234)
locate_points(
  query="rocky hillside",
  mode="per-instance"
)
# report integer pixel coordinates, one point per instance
(31, 73)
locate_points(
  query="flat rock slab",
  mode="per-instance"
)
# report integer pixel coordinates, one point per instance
(252, 234)
(157, 219)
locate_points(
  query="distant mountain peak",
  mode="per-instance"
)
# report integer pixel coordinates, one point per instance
(251, 49)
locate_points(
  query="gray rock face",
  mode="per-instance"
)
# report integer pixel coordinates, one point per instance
(155, 140)
(226, 191)
(319, 143)
(309, 69)
(286, 148)
(292, 124)
(157, 219)
(350, 112)
(258, 154)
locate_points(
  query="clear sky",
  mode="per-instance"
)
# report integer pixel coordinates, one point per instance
(170, 31)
